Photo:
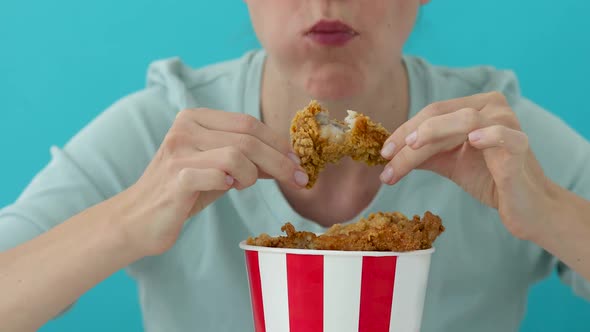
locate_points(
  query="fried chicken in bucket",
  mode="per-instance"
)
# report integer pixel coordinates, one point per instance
(379, 232)
(318, 140)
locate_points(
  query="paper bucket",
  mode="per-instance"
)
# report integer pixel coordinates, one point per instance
(298, 290)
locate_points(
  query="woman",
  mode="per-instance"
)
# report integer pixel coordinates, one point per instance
(167, 181)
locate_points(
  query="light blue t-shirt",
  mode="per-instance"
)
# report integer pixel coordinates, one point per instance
(480, 274)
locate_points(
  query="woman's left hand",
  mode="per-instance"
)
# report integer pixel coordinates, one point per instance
(476, 142)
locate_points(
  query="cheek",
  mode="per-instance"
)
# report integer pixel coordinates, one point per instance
(273, 21)
(280, 36)
(392, 21)
(403, 18)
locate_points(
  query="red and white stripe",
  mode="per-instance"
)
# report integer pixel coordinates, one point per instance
(293, 292)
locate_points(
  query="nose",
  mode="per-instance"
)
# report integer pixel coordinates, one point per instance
(333, 8)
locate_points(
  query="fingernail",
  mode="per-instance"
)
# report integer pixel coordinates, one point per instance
(411, 139)
(387, 175)
(475, 136)
(294, 157)
(301, 178)
(387, 151)
(229, 180)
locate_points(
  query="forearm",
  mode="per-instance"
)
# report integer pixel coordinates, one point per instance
(566, 229)
(40, 278)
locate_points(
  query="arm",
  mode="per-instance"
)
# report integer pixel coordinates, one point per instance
(193, 166)
(53, 238)
(478, 143)
(565, 229)
(40, 278)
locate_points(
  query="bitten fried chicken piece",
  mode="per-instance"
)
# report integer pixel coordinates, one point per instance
(318, 140)
(379, 232)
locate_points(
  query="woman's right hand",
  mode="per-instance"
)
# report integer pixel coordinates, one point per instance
(204, 154)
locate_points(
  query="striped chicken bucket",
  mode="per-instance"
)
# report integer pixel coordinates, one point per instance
(299, 290)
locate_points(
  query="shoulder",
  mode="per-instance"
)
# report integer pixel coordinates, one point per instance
(445, 82)
(139, 121)
(172, 86)
(552, 140)
(214, 86)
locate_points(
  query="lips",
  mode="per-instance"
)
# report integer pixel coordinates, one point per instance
(331, 33)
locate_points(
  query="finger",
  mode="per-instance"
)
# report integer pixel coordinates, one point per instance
(206, 198)
(239, 123)
(203, 139)
(498, 136)
(396, 141)
(234, 162)
(264, 175)
(456, 124)
(409, 159)
(477, 101)
(187, 137)
(197, 180)
(433, 136)
(228, 159)
(270, 162)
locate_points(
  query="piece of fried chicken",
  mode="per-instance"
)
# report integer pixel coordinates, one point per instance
(318, 140)
(379, 232)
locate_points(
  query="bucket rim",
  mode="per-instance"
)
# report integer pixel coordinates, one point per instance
(247, 247)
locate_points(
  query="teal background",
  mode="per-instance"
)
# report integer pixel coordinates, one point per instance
(63, 61)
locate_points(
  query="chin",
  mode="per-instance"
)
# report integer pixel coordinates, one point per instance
(328, 84)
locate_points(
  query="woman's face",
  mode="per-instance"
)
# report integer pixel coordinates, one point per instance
(333, 49)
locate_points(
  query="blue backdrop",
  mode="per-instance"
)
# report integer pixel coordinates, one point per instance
(62, 62)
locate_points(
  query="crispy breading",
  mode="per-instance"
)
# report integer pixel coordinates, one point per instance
(379, 232)
(318, 140)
